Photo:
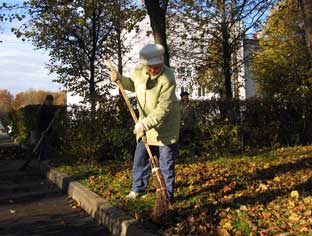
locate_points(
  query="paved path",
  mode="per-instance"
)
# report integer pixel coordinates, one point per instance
(32, 206)
(5, 139)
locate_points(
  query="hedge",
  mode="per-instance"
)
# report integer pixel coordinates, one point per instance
(222, 127)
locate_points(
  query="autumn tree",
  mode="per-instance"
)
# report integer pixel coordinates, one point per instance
(125, 18)
(282, 67)
(79, 36)
(37, 97)
(9, 12)
(6, 99)
(213, 32)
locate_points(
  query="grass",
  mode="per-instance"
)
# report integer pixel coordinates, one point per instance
(266, 194)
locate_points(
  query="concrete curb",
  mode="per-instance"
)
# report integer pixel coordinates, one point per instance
(117, 221)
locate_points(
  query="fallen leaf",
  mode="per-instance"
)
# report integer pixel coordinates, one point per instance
(226, 189)
(262, 187)
(277, 179)
(307, 200)
(293, 218)
(223, 232)
(266, 215)
(307, 213)
(294, 194)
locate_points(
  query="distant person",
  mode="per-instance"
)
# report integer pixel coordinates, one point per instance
(188, 119)
(46, 115)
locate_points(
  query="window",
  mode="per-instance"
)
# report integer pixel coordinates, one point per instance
(189, 71)
(187, 89)
(202, 92)
(181, 71)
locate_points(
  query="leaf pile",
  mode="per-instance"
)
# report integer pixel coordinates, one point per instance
(268, 194)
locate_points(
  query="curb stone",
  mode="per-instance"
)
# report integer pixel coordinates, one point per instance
(117, 221)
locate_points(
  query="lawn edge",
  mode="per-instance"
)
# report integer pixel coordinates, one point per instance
(116, 220)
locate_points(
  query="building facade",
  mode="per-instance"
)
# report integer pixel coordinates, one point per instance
(185, 72)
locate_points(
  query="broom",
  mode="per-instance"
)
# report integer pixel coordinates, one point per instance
(162, 200)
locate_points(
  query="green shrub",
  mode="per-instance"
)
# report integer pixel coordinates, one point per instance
(223, 128)
(108, 136)
(25, 119)
(237, 126)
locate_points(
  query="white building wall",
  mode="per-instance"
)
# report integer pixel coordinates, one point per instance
(250, 47)
(136, 40)
(72, 99)
(185, 78)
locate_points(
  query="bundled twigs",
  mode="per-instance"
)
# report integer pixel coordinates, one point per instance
(162, 200)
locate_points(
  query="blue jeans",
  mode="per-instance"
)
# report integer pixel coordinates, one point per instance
(141, 170)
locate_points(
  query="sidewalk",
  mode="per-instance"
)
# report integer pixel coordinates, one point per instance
(5, 140)
(30, 205)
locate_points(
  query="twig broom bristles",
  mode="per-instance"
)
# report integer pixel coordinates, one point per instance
(162, 200)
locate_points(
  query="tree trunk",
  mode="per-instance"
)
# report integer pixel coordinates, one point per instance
(120, 106)
(92, 99)
(227, 70)
(119, 41)
(157, 16)
(306, 6)
(226, 49)
(92, 69)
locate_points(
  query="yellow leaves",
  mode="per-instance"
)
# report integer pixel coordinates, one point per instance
(294, 194)
(307, 213)
(308, 200)
(266, 215)
(293, 218)
(220, 187)
(190, 188)
(226, 224)
(277, 179)
(223, 232)
(226, 189)
(202, 229)
(261, 188)
(291, 204)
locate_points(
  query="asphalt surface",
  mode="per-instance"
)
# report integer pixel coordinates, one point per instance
(31, 205)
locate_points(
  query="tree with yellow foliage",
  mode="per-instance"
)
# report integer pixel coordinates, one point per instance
(282, 67)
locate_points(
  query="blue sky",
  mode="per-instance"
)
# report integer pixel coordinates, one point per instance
(21, 66)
